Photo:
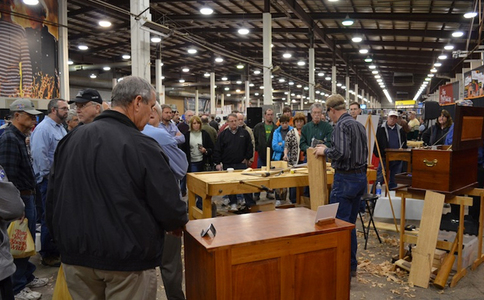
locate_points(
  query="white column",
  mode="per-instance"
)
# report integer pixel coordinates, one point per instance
(333, 79)
(140, 41)
(159, 81)
(196, 103)
(289, 98)
(356, 92)
(247, 95)
(63, 52)
(267, 57)
(301, 104)
(347, 91)
(362, 96)
(222, 101)
(312, 81)
(213, 107)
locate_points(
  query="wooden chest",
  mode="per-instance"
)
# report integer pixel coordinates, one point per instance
(450, 169)
(444, 170)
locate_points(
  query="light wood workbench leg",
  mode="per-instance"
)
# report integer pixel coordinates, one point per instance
(480, 257)
(460, 272)
(207, 206)
(191, 204)
(299, 193)
(401, 252)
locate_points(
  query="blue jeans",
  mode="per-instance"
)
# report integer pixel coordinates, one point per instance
(260, 163)
(48, 247)
(347, 191)
(395, 168)
(249, 200)
(25, 269)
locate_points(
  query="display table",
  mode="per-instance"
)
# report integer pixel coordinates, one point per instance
(278, 254)
(209, 184)
(452, 199)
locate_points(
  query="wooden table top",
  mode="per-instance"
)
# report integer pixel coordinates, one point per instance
(235, 176)
(254, 228)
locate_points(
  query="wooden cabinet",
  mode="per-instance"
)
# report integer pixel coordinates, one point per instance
(278, 254)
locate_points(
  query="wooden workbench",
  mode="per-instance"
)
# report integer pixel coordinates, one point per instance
(452, 199)
(278, 254)
(209, 184)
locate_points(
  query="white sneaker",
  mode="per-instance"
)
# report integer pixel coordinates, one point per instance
(226, 202)
(278, 202)
(233, 207)
(37, 282)
(27, 294)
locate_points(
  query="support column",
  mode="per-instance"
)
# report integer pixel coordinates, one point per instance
(247, 96)
(361, 101)
(140, 41)
(312, 81)
(213, 105)
(196, 103)
(267, 56)
(222, 101)
(347, 91)
(63, 52)
(356, 92)
(289, 98)
(333, 79)
(159, 81)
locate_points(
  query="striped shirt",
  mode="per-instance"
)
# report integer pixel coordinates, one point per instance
(15, 65)
(349, 146)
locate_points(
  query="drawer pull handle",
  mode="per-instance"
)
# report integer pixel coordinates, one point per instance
(430, 163)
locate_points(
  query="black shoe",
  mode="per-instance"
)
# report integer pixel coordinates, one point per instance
(353, 273)
(270, 196)
(51, 261)
(256, 197)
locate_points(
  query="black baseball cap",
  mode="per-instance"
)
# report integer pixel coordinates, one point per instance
(87, 95)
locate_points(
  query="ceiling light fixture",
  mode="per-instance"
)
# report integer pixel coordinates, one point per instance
(291, 83)
(93, 76)
(181, 80)
(206, 74)
(449, 47)
(347, 21)
(156, 39)
(192, 51)
(256, 72)
(368, 59)
(238, 82)
(363, 51)
(104, 23)
(70, 62)
(240, 66)
(442, 57)
(219, 59)
(321, 74)
(224, 78)
(357, 39)
(470, 15)
(82, 47)
(226, 88)
(106, 68)
(126, 56)
(372, 66)
(433, 70)
(301, 63)
(299, 86)
(287, 55)
(437, 64)
(327, 78)
(243, 31)
(457, 34)
(31, 2)
(185, 69)
(206, 10)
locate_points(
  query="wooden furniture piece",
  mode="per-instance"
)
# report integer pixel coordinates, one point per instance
(209, 184)
(397, 154)
(452, 199)
(271, 255)
(317, 180)
(450, 169)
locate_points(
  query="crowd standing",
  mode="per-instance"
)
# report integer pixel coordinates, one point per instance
(121, 213)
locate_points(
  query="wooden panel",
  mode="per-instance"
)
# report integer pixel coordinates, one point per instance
(283, 247)
(472, 128)
(223, 275)
(198, 264)
(263, 278)
(464, 128)
(423, 254)
(463, 171)
(435, 177)
(317, 180)
(322, 283)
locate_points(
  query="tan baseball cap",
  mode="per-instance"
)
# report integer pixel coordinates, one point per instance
(24, 105)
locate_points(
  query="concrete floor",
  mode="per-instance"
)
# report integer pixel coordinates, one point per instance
(373, 282)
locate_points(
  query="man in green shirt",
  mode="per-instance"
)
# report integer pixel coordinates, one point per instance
(317, 129)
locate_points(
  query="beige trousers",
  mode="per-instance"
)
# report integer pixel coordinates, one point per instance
(93, 284)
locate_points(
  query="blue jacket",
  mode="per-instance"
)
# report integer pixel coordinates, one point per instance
(278, 144)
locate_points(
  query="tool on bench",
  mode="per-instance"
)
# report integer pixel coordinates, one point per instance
(261, 187)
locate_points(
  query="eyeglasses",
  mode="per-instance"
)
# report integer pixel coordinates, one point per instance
(83, 105)
(62, 108)
(33, 117)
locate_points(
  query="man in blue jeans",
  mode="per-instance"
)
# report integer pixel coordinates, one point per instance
(15, 159)
(348, 154)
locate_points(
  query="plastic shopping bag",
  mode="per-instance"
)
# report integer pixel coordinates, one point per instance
(60, 290)
(21, 242)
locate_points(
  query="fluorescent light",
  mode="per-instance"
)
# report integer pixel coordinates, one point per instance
(306, 88)
(243, 31)
(301, 63)
(93, 76)
(237, 90)
(82, 47)
(433, 70)
(251, 84)
(238, 82)
(206, 74)
(31, 2)
(449, 47)
(106, 68)
(437, 64)
(256, 72)
(470, 15)
(327, 78)
(374, 72)
(219, 59)
(186, 69)
(372, 67)
(181, 80)
(377, 76)
(368, 59)
(256, 94)
(457, 33)
(287, 55)
(104, 23)
(192, 51)
(282, 80)
(156, 39)
(388, 95)
(347, 21)
(226, 88)
(291, 83)
(339, 84)
(228, 95)
(321, 74)
(430, 75)
(126, 56)
(205, 10)
(240, 66)
(70, 62)
(357, 39)
(224, 78)
(442, 57)
(363, 51)
(299, 86)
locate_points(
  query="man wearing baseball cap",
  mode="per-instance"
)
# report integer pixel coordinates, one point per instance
(390, 135)
(15, 159)
(89, 105)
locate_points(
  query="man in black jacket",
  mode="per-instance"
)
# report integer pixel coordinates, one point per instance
(234, 150)
(109, 217)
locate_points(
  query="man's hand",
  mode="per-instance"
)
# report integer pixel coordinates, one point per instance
(319, 150)
(218, 167)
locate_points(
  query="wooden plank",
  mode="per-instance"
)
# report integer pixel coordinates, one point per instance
(317, 180)
(423, 255)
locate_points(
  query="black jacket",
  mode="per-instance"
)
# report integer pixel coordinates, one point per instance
(206, 143)
(233, 148)
(382, 139)
(111, 195)
(261, 142)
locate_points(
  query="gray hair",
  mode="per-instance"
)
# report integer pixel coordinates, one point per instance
(316, 106)
(54, 103)
(126, 91)
(158, 108)
(72, 113)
